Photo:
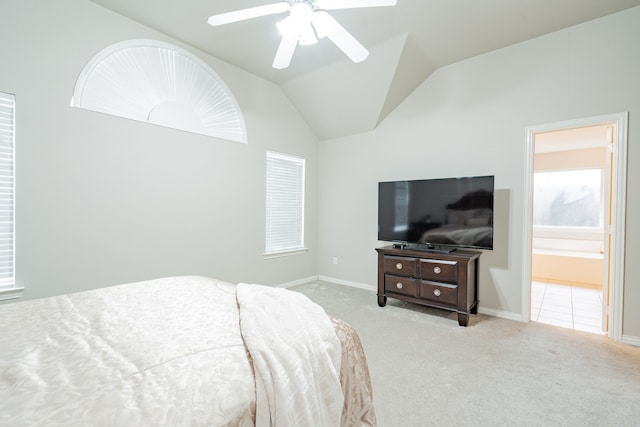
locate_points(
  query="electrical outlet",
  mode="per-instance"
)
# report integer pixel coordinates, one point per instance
(335, 260)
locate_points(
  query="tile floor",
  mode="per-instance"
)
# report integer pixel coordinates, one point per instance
(573, 307)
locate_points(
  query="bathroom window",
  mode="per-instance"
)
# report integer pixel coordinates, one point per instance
(568, 199)
(567, 211)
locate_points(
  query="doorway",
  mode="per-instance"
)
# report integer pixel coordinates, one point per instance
(574, 224)
(571, 170)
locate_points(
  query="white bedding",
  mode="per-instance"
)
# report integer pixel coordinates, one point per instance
(162, 352)
(296, 357)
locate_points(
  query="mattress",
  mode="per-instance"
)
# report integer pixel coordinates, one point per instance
(180, 351)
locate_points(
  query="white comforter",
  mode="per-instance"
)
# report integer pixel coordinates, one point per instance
(168, 352)
(296, 356)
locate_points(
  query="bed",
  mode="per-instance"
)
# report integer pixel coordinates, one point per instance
(181, 351)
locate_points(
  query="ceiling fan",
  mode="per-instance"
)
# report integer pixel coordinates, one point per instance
(308, 20)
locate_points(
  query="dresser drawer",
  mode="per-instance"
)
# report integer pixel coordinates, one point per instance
(401, 285)
(401, 266)
(441, 293)
(439, 270)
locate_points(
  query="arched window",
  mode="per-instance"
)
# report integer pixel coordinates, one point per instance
(155, 82)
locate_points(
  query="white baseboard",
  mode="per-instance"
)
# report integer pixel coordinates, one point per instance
(10, 294)
(517, 317)
(631, 340)
(297, 282)
(348, 283)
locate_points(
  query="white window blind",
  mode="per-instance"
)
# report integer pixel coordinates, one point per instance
(285, 203)
(7, 139)
(156, 82)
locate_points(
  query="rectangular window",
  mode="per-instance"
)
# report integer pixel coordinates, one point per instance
(569, 199)
(7, 140)
(567, 211)
(285, 203)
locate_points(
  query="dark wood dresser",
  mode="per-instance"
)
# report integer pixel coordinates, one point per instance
(443, 280)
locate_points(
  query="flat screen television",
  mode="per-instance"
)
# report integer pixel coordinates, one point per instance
(437, 214)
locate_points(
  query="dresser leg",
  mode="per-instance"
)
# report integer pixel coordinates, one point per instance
(463, 319)
(382, 300)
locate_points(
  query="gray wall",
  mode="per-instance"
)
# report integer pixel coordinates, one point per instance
(470, 119)
(103, 200)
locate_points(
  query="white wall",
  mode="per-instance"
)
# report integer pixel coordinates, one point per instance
(470, 119)
(103, 200)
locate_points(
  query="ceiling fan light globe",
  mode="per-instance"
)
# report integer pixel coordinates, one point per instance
(298, 24)
(287, 27)
(301, 12)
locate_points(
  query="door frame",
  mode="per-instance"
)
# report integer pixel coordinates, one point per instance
(618, 213)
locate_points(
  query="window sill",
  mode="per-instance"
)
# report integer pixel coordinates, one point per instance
(568, 233)
(574, 254)
(10, 293)
(286, 253)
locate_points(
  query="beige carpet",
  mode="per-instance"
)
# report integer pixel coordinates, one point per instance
(428, 371)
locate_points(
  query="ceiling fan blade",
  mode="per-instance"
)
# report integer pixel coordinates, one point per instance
(285, 53)
(252, 12)
(325, 25)
(351, 4)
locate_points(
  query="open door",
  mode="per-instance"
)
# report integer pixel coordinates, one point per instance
(608, 227)
(614, 177)
(570, 221)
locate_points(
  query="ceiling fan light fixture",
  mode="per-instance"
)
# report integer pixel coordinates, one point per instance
(298, 24)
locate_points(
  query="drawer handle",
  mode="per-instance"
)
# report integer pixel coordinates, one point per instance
(399, 266)
(437, 270)
(437, 292)
(399, 285)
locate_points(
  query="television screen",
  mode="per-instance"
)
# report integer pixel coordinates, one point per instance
(431, 213)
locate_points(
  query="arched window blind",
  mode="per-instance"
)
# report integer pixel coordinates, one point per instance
(155, 82)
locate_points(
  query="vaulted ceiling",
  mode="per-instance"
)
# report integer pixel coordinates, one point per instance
(407, 42)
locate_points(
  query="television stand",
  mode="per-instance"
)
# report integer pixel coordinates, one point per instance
(443, 280)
